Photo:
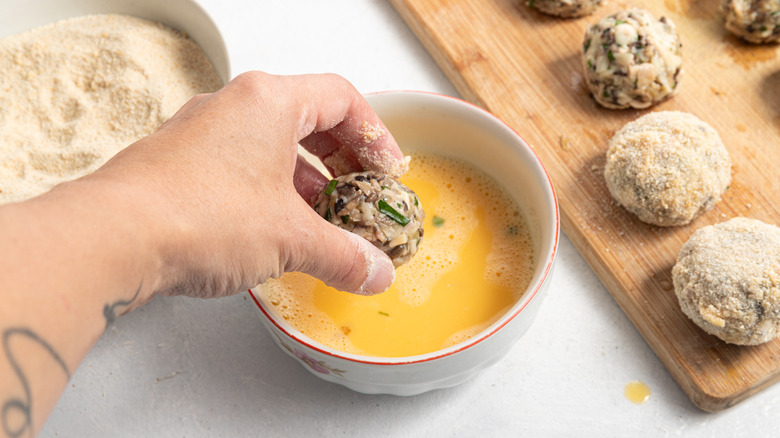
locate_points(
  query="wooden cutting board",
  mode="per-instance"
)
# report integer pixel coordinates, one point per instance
(524, 67)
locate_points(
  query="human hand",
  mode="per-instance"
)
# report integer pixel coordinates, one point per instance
(229, 194)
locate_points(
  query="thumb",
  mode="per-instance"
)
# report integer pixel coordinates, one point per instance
(341, 259)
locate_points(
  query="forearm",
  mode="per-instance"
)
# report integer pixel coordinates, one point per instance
(99, 263)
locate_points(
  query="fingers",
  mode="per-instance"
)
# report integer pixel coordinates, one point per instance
(341, 259)
(336, 158)
(338, 126)
(308, 180)
(325, 114)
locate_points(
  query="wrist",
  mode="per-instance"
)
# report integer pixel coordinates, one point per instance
(112, 216)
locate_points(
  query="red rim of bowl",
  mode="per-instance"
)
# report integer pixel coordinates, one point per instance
(471, 341)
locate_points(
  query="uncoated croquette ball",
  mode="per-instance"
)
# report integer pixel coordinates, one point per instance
(632, 60)
(755, 21)
(377, 208)
(565, 8)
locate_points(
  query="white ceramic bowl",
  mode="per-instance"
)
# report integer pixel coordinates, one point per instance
(184, 15)
(447, 126)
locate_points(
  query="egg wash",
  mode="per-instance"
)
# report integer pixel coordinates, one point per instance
(475, 261)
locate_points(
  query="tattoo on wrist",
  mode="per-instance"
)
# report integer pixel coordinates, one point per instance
(23, 405)
(109, 310)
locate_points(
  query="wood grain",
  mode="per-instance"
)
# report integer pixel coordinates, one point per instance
(524, 67)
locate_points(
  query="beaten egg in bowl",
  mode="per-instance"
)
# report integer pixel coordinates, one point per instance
(465, 331)
(475, 261)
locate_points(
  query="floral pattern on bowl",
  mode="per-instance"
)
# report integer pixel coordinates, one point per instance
(314, 364)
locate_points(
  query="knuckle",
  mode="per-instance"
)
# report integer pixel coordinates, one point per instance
(342, 82)
(252, 84)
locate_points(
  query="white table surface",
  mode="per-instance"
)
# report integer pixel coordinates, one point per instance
(184, 367)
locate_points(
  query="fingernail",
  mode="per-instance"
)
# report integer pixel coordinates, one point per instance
(381, 273)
